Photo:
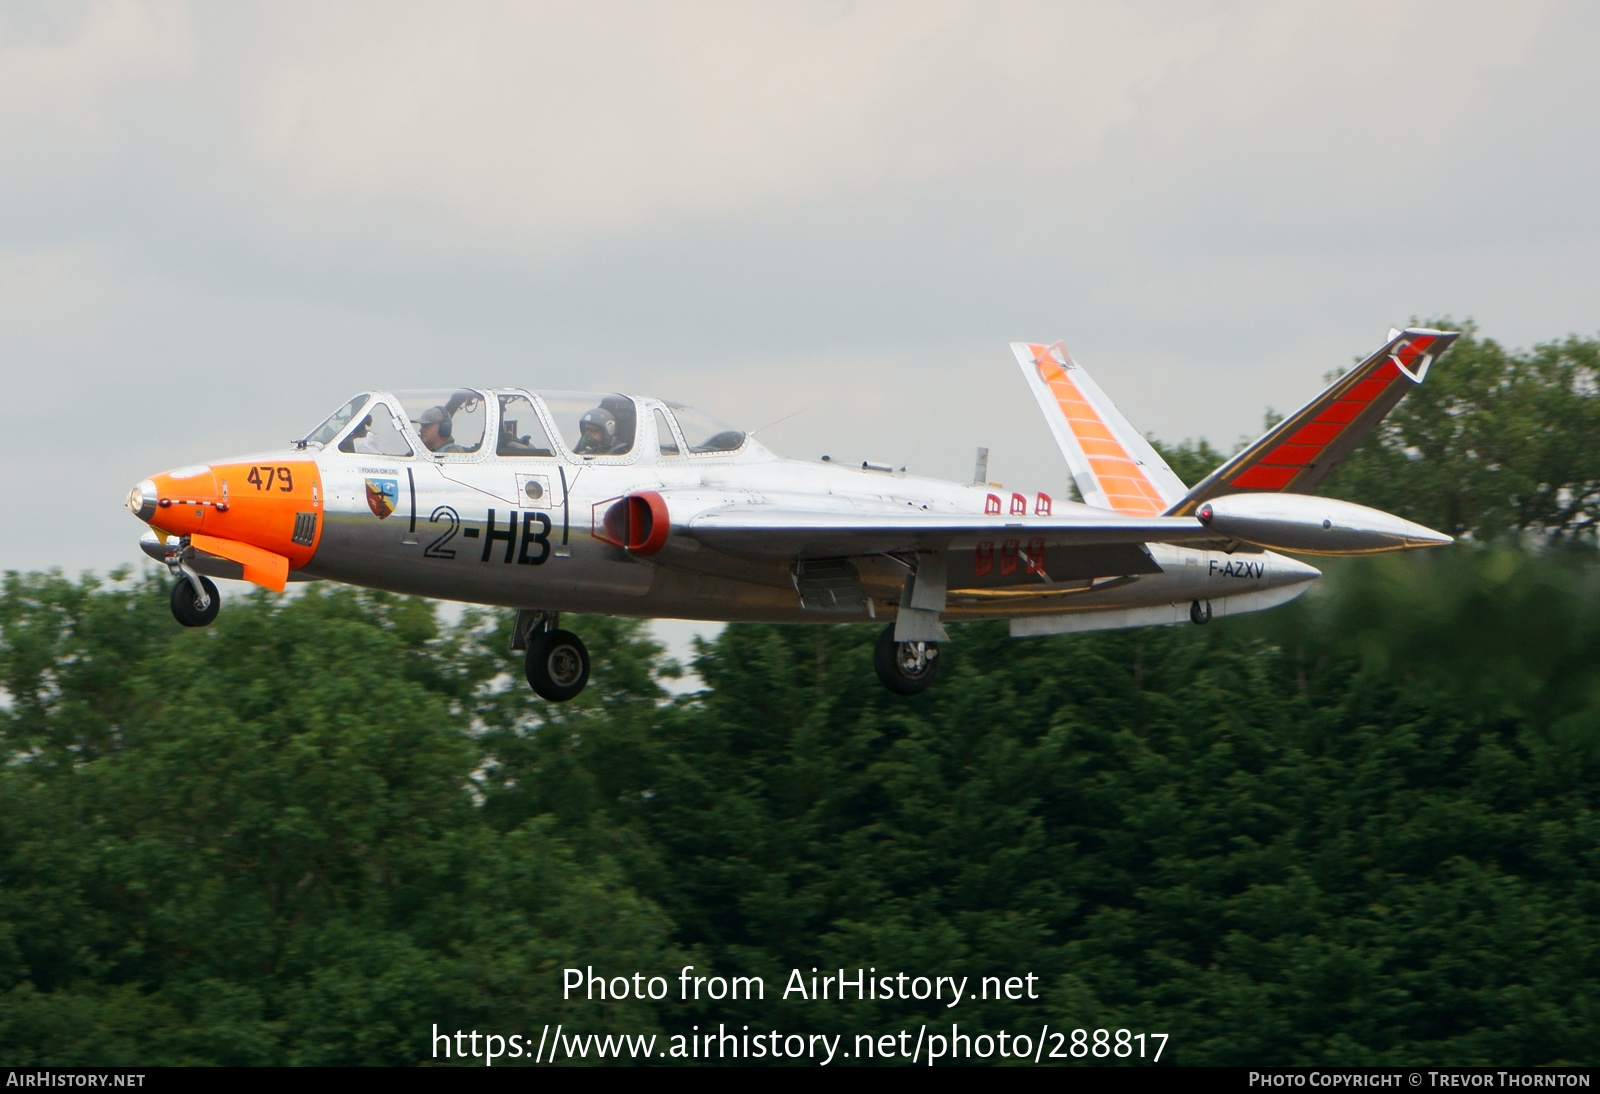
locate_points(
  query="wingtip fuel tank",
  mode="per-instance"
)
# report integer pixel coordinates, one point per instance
(1312, 525)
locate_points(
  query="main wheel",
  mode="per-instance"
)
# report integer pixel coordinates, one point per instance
(186, 607)
(905, 668)
(558, 665)
(1200, 616)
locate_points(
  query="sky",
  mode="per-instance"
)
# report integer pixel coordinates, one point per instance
(219, 221)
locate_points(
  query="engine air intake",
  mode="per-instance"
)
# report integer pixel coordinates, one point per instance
(638, 523)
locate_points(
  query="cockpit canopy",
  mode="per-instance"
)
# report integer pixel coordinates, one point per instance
(593, 425)
(448, 422)
(456, 422)
(705, 433)
(334, 423)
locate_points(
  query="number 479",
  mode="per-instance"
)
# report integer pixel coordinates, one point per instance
(263, 477)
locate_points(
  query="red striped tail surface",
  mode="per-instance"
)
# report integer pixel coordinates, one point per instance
(1300, 451)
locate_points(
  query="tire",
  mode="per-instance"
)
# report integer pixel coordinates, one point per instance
(558, 665)
(186, 608)
(896, 664)
(1198, 615)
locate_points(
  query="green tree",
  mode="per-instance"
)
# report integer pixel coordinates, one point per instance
(259, 843)
(1190, 460)
(1361, 830)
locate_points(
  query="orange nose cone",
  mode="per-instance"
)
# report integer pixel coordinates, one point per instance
(272, 507)
(182, 499)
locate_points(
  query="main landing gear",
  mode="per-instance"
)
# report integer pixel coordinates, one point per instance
(1199, 614)
(905, 668)
(557, 661)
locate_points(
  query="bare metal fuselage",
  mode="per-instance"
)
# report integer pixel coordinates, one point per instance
(465, 528)
(556, 502)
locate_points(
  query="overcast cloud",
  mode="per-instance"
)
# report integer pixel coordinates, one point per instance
(219, 221)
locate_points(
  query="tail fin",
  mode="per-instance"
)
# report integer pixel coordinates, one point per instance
(1298, 453)
(1113, 465)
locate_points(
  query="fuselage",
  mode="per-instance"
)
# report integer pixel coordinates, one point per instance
(505, 516)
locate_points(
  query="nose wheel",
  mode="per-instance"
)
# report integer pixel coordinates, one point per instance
(195, 600)
(1200, 615)
(195, 607)
(558, 665)
(905, 668)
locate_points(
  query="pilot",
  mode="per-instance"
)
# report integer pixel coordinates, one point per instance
(597, 433)
(434, 428)
(362, 440)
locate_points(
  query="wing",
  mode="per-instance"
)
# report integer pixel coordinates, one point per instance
(1298, 453)
(1113, 465)
(773, 532)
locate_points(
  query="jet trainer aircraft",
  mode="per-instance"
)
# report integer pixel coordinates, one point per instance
(551, 502)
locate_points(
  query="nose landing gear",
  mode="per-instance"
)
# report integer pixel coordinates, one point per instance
(195, 600)
(557, 662)
(905, 668)
(1199, 615)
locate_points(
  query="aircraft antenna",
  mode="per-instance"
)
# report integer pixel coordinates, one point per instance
(780, 421)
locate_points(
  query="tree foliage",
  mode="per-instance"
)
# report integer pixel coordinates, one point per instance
(1191, 460)
(259, 843)
(1361, 829)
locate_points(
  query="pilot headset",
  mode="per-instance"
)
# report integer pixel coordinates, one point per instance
(442, 420)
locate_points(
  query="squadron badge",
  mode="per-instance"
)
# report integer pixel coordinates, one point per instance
(382, 496)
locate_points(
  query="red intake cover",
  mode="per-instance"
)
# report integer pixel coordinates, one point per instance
(639, 522)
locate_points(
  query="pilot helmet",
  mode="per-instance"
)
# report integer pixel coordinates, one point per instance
(602, 418)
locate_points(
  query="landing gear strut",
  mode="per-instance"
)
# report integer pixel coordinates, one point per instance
(195, 600)
(557, 660)
(905, 668)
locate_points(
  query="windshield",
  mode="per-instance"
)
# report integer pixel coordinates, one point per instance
(333, 423)
(378, 433)
(705, 433)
